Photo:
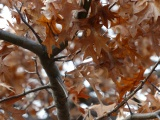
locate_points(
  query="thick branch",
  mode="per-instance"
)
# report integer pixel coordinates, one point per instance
(22, 42)
(59, 91)
(51, 69)
(143, 116)
(25, 93)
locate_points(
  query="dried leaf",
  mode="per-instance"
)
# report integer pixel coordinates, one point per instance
(128, 84)
(102, 109)
(6, 86)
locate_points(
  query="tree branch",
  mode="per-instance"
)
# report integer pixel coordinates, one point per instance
(131, 94)
(86, 6)
(58, 88)
(25, 93)
(34, 32)
(143, 116)
(80, 15)
(39, 76)
(59, 92)
(56, 50)
(22, 42)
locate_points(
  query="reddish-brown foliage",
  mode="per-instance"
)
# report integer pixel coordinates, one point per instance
(112, 63)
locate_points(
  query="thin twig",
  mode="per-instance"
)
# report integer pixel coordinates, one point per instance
(30, 102)
(131, 94)
(112, 5)
(29, 72)
(58, 58)
(128, 106)
(25, 93)
(54, 35)
(143, 116)
(154, 86)
(49, 107)
(39, 76)
(34, 32)
(36, 69)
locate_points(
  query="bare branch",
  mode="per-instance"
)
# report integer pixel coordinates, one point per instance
(154, 86)
(30, 101)
(128, 106)
(58, 58)
(25, 93)
(22, 42)
(49, 107)
(30, 27)
(40, 79)
(36, 70)
(143, 116)
(131, 94)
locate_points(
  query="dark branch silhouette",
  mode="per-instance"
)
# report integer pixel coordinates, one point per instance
(25, 93)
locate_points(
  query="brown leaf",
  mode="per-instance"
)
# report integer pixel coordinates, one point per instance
(102, 109)
(51, 30)
(15, 113)
(128, 84)
(6, 50)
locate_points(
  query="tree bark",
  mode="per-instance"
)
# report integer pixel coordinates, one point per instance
(59, 93)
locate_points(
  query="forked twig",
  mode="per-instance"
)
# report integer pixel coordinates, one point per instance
(39, 76)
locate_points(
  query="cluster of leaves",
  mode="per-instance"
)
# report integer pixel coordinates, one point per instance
(116, 64)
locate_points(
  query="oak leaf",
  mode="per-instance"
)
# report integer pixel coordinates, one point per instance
(102, 109)
(128, 84)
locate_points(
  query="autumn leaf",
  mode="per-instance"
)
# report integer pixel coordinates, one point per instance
(5, 70)
(128, 84)
(16, 114)
(109, 49)
(6, 86)
(49, 42)
(6, 50)
(51, 30)
(150, 10)
(106, 15)
(102, 109)
(89, 52)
